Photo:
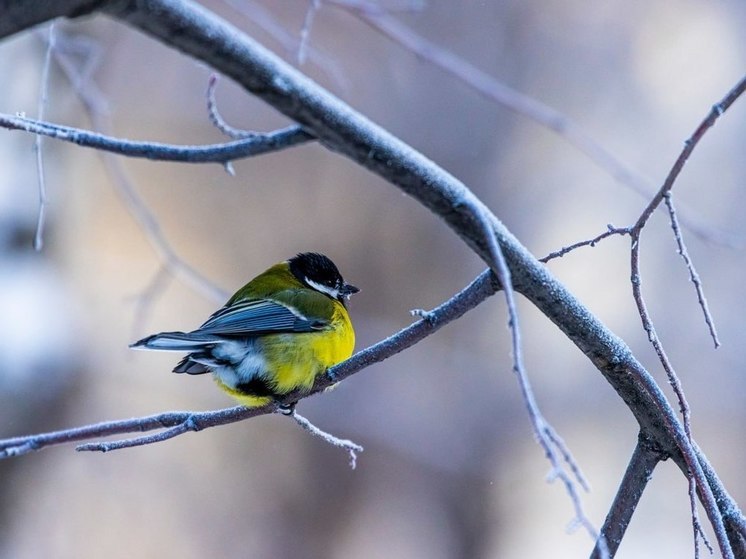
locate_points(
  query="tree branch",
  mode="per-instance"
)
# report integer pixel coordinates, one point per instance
(170, 421)
(81, 78)
(217, 119)
(41, 107)
(693, 275)
(351, 447)
(177, 423)
(261, 17)
(610, 232)
(645, 458)
(552, 444)
(380, 18)
(258, 144)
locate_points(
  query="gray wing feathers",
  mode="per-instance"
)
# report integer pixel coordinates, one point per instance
(245, 319)
(254, 318)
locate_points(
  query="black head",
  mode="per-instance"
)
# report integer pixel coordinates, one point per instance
(318, 272)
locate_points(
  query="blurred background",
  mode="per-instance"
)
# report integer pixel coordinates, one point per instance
(450, 468)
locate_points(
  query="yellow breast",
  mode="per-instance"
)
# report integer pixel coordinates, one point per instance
(295, 360)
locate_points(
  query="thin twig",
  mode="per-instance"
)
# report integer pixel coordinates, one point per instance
(649, 327)
(697, 530)
(693, 275)
(189, 424)
(263, 18)
(94, 105)
(17, 446)
(144, 300)
(547, 437)
(216, 118)
(351, 447)
(154, 233)
(664, 193)
(610, 231)
(550, 118)
(305, 33)
(43, 100)
(709, 121)
(559, 443)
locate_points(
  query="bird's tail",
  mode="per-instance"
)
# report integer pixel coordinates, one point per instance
(176, 341)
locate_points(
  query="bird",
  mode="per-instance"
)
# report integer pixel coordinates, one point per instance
(274, 336)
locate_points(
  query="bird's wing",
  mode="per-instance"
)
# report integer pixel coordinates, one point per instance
(256, 317)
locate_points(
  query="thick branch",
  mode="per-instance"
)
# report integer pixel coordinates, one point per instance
(639, 471)
(19, 16)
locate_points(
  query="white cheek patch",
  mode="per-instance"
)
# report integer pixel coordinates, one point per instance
(333, 293)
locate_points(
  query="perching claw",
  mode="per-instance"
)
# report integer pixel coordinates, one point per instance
(286, 409)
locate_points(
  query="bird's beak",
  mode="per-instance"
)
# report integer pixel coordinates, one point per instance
(346, 290)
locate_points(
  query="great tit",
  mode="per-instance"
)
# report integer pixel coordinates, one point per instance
(274, 336)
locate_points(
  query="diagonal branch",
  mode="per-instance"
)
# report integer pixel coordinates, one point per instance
(639, 471)
(381, 19)
(708, 122)
(735, 521)
(173, 424)
(261, 17)
(81, 77)
(695, 477)
(554, 448)
(663, 195)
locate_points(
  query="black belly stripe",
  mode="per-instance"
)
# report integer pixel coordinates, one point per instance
(255, 387)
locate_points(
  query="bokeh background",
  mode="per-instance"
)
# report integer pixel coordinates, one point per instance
(450, 467)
